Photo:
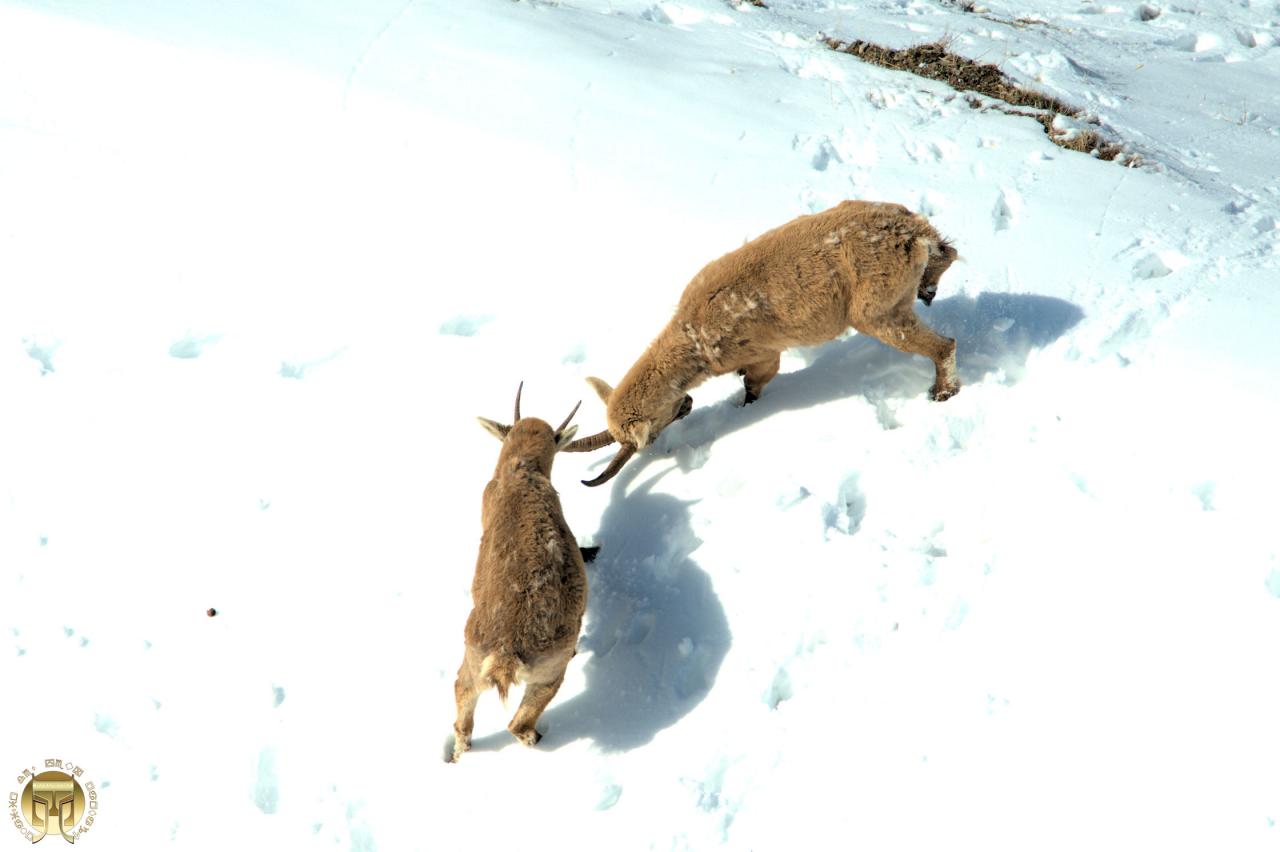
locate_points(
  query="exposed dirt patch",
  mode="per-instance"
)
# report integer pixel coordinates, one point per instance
(934, 61)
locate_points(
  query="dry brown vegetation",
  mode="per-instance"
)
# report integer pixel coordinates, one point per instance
(934, 61)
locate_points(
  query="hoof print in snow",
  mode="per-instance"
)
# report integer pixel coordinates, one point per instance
(845, 515)
(608, 797)
(1158, 264)
(104, 724)
(465, 325)
(266, 789)
(673, 14)
(779, 690)
(1004, 215)
(191, 347)
(43, 353)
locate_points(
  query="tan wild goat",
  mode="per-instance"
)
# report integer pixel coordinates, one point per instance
(530, 588)
(860, 264)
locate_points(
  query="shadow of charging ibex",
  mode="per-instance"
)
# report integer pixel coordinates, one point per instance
(995, 334)
(655, 633)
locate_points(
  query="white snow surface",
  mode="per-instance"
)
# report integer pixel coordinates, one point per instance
(261, 263)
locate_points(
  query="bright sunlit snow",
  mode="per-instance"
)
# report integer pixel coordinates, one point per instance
(261, 264)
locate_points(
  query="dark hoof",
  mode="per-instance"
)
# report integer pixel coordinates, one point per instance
(749, 398)
(944, 394)
(686, 405)
(537, 736)
(589, 553)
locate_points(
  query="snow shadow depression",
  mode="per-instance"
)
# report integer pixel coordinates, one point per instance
(655, 631)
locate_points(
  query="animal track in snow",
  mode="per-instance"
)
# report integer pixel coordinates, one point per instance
(846, 513)
(42, 352)
(848, 147)
(1273, 582)
(1197, 42)
(679, 15)
(1255, 38)
(886, 97)
(609, 795)
(1158, 264)
(641, 626)
(824, 155)
(931, 203)
(780, 690)
(104, 724)
(959, 611)
(930, 152)
(1008, 208)
(1148, 12)
(191, 346)
(465, 325)
(266, 788)
(692, 669)
(299, 369)
(785, 39)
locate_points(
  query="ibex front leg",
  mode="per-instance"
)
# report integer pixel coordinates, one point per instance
(467, 694)
(903, 330)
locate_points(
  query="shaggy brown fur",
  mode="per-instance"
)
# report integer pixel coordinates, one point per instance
(859, 264)
(530, 587)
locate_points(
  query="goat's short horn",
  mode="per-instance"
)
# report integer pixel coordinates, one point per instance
(624, 454)
(560, 428)
(519, 390)
(589, 443)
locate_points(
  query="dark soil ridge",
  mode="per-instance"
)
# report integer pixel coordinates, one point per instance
(934, 61)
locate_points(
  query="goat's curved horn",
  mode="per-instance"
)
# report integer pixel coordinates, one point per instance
(560, 428)
(518, 392)
(589, 443)
(624, 454)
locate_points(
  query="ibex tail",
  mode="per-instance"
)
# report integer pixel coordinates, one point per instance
(499, 670)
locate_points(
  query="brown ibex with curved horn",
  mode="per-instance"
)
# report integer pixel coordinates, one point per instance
(859, 264)
(530, 586)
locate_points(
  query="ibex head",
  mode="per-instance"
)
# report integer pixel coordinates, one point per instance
(636, 413)
(531, 439)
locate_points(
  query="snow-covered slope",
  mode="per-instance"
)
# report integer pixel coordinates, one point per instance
(260, 263)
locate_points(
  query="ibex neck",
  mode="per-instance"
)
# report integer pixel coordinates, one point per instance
(678, 360)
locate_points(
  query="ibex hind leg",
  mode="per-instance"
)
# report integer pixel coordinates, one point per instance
(542, 681)
(756, 376)
(536, 698)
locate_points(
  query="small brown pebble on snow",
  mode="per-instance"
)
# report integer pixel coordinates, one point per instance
(211, 612)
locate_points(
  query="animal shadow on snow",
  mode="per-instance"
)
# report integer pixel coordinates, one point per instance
(995, 333)
(654, 635)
